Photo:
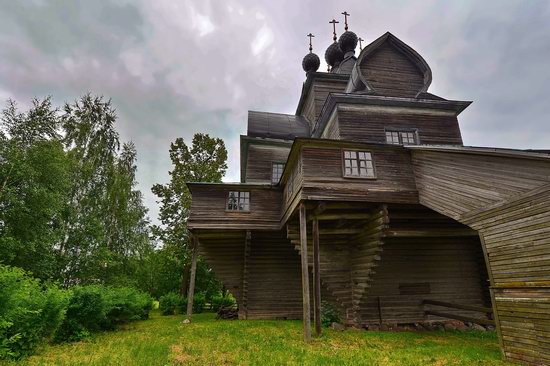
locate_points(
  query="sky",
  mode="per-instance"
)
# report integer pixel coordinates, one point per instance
(175, 67)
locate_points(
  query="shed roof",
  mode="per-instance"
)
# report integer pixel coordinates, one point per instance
(277, 125)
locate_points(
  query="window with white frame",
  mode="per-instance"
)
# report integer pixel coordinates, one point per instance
(358, 164)
(238, 201)
(276, 172)
(401, 137)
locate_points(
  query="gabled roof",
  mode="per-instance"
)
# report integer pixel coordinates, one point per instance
(277, 125)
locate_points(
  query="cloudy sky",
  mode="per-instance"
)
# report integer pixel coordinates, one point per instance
(176, 67)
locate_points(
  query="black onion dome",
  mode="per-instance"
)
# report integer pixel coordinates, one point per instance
(348, 41)
(311, 62)
(333, 54)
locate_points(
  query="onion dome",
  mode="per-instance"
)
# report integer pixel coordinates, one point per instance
(311, 62)
(334, 55)
(348, 41)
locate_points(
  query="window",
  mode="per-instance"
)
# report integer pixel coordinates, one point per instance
(358, 164)
(401, 137)
(238, 201)
(276, 172)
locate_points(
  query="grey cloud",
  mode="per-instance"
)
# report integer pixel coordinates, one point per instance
(174, 68)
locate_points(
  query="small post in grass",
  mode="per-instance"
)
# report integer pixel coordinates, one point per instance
(191, 292)
(305, 273)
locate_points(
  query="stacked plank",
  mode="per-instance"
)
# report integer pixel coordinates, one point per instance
(506, 196)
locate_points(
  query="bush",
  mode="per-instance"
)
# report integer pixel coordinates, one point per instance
(29, 312)
(96, 307)
(169, 303)
(329, 314)
(86, 313)
(199, 302)
(222, 301)
(125, 304)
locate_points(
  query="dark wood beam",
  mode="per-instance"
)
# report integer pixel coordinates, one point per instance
(305, 273)
(316, 276)
(243, 309)
(191, 291)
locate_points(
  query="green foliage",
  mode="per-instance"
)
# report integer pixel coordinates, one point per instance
(199, 303)
(222, 301)
(169, 303)
(329, 314)
(96, 307)
(29, 312)
(69, 210)
(204, 161)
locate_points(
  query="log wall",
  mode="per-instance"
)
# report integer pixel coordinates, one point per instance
(260, 159)
(368, 124)
(507, 199)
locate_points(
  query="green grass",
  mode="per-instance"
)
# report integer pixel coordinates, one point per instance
(164, 340)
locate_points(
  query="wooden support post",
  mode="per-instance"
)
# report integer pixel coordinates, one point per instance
(191, 291)
(305, 273)
(243, 307)
(316, 276)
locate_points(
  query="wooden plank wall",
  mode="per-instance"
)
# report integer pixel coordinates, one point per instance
(368, 124)
(323, 178)
(208, 208)
(391, 73)
(274, 282)
(318, 94)
(260, 159)
(508, 201)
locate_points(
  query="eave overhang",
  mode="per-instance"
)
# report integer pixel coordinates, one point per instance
(247, 140)
(478, 150)
(335, 99)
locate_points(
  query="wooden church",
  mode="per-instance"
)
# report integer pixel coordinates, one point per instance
(366, 198)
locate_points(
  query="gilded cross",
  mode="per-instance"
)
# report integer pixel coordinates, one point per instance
(346, 15)
(310, 46)
(334, 22)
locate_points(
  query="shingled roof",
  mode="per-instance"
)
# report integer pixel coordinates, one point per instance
(277, 125)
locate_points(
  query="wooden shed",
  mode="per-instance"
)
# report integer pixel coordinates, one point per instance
(367, 198)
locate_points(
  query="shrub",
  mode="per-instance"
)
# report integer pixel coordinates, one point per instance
(199, 302)
(86, 313)
(329, 314)
(222, 301)
(96, 307)
(169, 303)
(125, 304)
(30, 312)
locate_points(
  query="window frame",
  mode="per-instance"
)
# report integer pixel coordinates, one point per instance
(343, 154)
(400, 131)
(227, 209)
(273, 163)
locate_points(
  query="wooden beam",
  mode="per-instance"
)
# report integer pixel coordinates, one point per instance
(461, 317)
(191, 291)
(481, 309)
(305, 273)
(316, 276)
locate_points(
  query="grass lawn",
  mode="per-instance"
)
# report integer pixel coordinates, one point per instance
(164, 340)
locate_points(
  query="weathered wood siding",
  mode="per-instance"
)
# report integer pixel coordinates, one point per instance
(318, 94)
(323, 176)
(391, 73)
(208, 208)
(274, 278)
(260, 159)
(413, 269)
(508, 200)
(369, 124)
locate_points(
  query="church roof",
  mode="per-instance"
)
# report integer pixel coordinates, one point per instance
(277, 125)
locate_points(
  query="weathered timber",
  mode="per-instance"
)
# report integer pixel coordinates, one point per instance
(461, 317)
(453, 305)
(316, 276)
(191, 292)
(243, 312)
(305, 274)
